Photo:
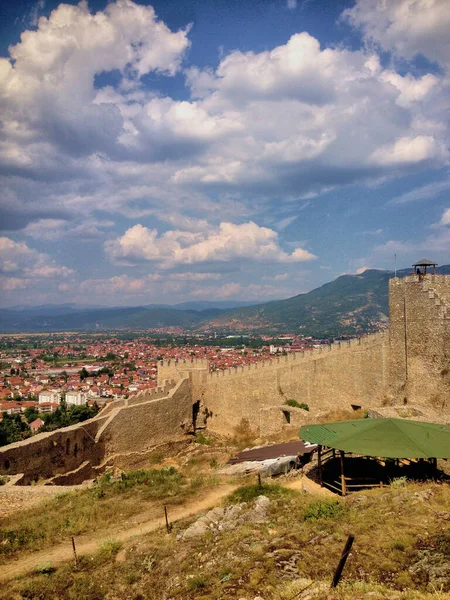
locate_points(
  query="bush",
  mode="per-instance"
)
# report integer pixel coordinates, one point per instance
(324, 509)
(201, 438)
(296, 404)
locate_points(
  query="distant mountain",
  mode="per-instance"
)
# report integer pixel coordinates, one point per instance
(203, 305)
(350, 304)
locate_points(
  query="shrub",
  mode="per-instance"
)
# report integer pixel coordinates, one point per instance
(249, 493)
(201, 438)
(296, 404)
(197, 583)
(324, 509)
(399, 482)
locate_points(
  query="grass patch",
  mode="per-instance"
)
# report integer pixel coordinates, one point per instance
(249, 493)
(296, 404)
(201, 438)
(324, 509)
(153, 483)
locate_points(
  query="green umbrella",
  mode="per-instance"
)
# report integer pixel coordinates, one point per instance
(389, 438)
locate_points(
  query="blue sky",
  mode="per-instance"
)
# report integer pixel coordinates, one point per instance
(219, 150)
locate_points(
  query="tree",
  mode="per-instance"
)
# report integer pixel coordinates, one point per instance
(83, 374)
(13, 429)
(31, 414)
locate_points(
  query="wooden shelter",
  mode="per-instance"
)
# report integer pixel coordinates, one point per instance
(380, 440)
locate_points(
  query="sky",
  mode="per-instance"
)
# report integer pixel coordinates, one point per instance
(199, 150)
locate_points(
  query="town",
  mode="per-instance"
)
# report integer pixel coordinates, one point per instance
(45, 376)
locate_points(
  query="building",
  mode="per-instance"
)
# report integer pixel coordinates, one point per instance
(76, 398)
(51, 396)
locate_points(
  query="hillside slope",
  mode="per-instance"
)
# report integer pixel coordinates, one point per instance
(350, 304)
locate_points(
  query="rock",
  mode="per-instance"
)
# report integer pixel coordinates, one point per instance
(259, 512)
(197, 529)
(214, 515)
(435, 567)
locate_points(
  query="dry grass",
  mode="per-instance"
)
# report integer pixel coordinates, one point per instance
(299, 544)
(110, 500)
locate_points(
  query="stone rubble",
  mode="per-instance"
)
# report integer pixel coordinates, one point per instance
(225, 519)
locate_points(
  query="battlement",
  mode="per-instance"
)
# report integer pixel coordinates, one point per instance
(187, 363)
(296, 358)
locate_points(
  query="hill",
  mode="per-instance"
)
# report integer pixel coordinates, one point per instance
(351, 304)
(107, 318)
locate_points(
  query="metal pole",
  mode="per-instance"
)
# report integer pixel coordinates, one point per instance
(342, 561)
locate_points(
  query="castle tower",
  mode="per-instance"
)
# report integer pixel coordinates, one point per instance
(419, 337)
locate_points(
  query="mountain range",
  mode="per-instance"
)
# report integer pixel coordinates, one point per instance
(351, 304)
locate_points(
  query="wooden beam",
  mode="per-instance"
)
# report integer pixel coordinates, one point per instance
(343, 486)
(319, 464)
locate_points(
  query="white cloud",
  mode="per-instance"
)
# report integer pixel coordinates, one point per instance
(425, 192)
(406, 27)
(408, 150)
(445, 218)
(225, 243)
(21, 266)
(289, 122)
(291, 4)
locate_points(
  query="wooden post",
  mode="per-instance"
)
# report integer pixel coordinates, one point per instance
(342, 561)
(343, 486)
(259, 479)
(74, 551)
(168, 526)
(319, 464)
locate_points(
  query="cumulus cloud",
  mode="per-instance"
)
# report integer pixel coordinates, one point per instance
(21, 265)
(409, 150)
(292, 121)
(225, 243)
(405, 27)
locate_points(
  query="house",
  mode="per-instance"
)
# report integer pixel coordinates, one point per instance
(36, 425)
(47, 396)
(11, 408)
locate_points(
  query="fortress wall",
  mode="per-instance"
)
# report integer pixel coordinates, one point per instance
(141, 426)
(48, 454)
(327, 378)
(420, 342)
(175, 370)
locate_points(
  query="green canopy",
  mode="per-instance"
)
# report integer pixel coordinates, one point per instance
(388, 438)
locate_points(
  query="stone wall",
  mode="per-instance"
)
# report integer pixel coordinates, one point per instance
(420, 341)
(48, 454)
(350, 374)
(151, 422)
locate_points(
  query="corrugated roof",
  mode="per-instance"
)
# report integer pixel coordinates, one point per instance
(389, 438)
(274, 451)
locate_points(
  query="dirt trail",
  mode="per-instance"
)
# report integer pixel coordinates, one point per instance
(139, 524)
(128, 530)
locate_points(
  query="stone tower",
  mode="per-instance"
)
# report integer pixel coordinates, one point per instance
(419, 338)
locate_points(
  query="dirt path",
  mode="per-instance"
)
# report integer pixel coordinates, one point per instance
(128, 530)
(139, 524)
